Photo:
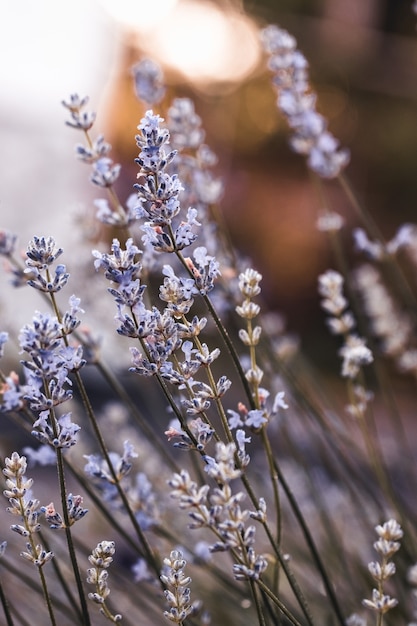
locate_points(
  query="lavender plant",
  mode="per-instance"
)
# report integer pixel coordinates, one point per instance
(223, 459)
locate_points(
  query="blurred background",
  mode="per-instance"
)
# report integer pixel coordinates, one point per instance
(363, 65)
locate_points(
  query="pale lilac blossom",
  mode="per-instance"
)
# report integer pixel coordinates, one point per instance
(82, 120)
(141, 571)
(4, 337)
(386, 546)
(44, 455)
(148, 81)
(7, 243)
(173, 577)
(42, 252)
(64, 435)
(297, 102)
(101, 559)
(91, 153)
(184, 125)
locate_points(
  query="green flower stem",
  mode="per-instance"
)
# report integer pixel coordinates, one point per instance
(22, 577)
(264, 437)
(311, 545)
(231, 349)
(378, 466)
(363, 215)
(88, 138)
(219, 404)
(114, 198)
(60, 577)
(67, 521)
(275, 490)
(258, 605)
(63, 493)
(278, 602)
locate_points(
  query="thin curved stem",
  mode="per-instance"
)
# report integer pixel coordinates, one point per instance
(312, 546)
(294, 621)
(6, 607)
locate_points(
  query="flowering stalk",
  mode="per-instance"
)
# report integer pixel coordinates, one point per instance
(231, 533)
(101, 559)
(224, 516)
(70, 323)
(355, 355)
(248, 310)
(257, 419)
(47, 344)
(177, 592)
(105, 172)
(386, 546)
(297, 101)
(388, 259)
(159, 333)
(24, 506)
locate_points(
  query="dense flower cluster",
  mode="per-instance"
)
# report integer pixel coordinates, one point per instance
(50, 358)
(191, 312)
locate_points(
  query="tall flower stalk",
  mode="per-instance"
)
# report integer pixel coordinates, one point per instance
(235, 466)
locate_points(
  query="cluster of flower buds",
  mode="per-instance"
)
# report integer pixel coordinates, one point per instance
(388, 543)
(178, 594)
(354, 352)
(24, 506)
(101, 559)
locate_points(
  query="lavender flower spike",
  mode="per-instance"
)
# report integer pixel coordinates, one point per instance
(148, 79)
(297, 102)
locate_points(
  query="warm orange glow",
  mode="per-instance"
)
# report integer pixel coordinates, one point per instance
(206, 44)
(138, 14)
